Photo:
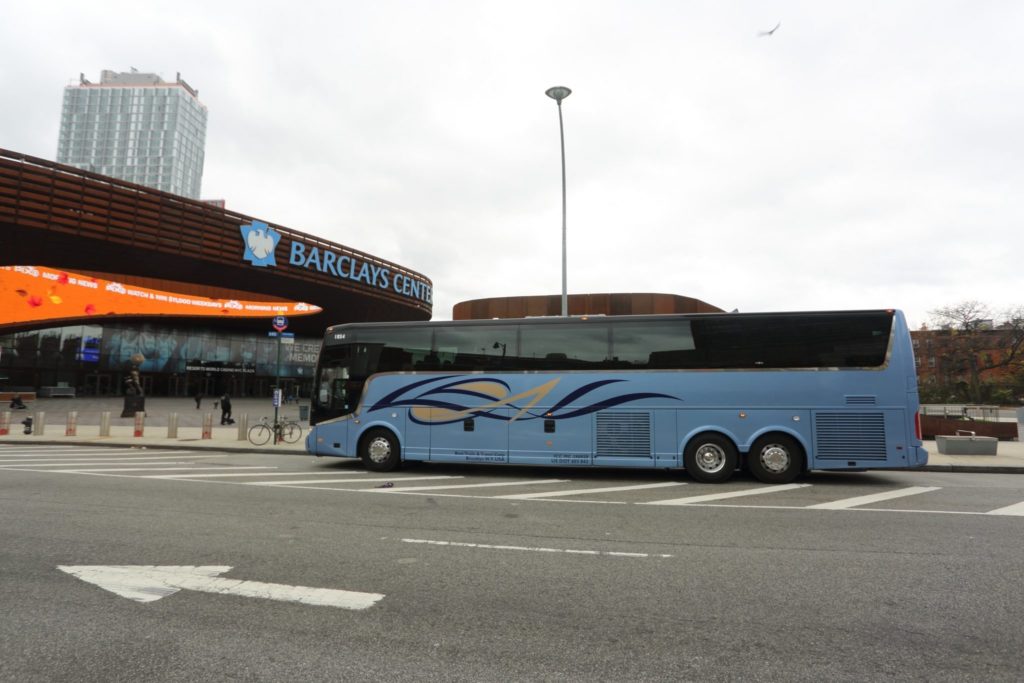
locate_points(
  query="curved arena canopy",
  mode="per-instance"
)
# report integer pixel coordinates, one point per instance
(66, 234)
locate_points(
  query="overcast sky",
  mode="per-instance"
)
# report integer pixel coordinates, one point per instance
(865, 155)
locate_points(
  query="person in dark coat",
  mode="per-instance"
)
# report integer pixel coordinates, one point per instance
(17, 403)
(225, 410)
(199, 398)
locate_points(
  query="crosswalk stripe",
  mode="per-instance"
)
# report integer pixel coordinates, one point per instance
(474, 486)
(729, 494)
(579, 492)
(345, 481)
(92, 453)
(241, 474)
(1015, 510)
(105, 461)
(164, 469)
(857, 501)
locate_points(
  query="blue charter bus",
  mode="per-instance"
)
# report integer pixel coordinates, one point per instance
(776, 394)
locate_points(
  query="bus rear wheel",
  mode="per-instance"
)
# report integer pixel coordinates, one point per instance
(776, 459)
(379, 451)
(710, 458)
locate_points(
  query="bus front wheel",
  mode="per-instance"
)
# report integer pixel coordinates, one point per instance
(776, 459)
(379, 451)
(710, 458)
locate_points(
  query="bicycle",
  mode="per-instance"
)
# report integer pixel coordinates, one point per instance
(288, 431)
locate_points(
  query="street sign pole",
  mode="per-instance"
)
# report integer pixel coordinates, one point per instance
(279, 323)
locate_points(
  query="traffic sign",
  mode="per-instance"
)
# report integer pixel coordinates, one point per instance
(279, 323)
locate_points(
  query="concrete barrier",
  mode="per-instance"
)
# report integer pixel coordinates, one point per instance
(967, 444)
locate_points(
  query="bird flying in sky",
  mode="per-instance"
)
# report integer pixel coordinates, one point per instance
(771, 32)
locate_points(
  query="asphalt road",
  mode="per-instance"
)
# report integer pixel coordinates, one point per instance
(506, 574)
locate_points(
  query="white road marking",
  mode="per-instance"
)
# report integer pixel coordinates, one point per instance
(568, 551)
(405, 489)
(578, 492)
(729, 494)
(1015, 510)
(148, 583)
(346, 481)
(158, 468)
(857, 501)
(122, 455)
(240, 474)
(104, 461)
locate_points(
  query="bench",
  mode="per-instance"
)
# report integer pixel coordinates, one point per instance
(55, 392)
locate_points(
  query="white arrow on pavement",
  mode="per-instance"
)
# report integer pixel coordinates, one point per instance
(148, 583)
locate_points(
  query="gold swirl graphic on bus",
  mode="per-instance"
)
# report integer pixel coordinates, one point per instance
(436, 415)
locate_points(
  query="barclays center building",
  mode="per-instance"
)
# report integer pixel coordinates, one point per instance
(100, 276)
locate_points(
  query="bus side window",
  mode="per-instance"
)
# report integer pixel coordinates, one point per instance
(338, 394)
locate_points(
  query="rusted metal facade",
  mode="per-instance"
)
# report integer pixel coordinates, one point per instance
(579, 304)
(63, 217)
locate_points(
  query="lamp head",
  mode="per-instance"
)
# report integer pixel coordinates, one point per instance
(558, 93)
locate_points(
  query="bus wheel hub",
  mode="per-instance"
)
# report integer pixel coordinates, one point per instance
(775, 458)
(379, 450)
(710, 458)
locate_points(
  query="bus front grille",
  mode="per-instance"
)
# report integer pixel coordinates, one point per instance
(850, 436)
(623, 435)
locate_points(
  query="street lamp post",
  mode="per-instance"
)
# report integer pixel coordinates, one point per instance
(559, 93)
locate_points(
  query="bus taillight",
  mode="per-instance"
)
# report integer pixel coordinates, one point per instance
(917, 425)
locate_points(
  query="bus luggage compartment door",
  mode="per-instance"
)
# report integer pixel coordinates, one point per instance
(481, 437)
(544, 440)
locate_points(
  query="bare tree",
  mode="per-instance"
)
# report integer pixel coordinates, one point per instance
(977, 344)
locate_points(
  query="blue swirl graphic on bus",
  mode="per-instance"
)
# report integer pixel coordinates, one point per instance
(449, 399)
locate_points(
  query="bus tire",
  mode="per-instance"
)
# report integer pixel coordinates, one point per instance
(776, 459)
(710, 458)
(379, 450)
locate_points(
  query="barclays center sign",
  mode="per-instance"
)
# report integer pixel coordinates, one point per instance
(260, 242)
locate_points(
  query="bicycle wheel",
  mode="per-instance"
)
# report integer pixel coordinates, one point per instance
(291, 431)
(259, 434)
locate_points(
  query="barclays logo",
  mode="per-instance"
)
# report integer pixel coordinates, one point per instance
(260, 241)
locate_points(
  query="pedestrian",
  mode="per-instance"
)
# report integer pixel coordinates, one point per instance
(225, 410)
(17, 403)
(199, 398)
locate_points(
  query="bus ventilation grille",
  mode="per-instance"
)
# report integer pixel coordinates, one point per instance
(850, 436)
(861, 400)
(624, 435)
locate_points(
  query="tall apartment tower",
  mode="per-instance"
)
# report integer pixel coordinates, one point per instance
(136, 127)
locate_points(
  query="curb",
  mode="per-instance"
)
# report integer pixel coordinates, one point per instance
(972, 469)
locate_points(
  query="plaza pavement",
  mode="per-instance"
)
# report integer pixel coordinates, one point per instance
(1010, 457)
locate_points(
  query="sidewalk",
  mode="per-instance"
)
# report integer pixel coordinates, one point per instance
(1010, 458)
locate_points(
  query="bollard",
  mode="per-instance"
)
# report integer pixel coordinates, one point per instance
(5, 423)
(208, 426)
(140, 423)
(243, 427)
(40, 424)
(172, 426)
(72, 426)
(105, 423)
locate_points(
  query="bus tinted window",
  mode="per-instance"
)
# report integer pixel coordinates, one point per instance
(468, 348)
(842, 341)
(391, 349)
(564, 346)
(656, 344)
